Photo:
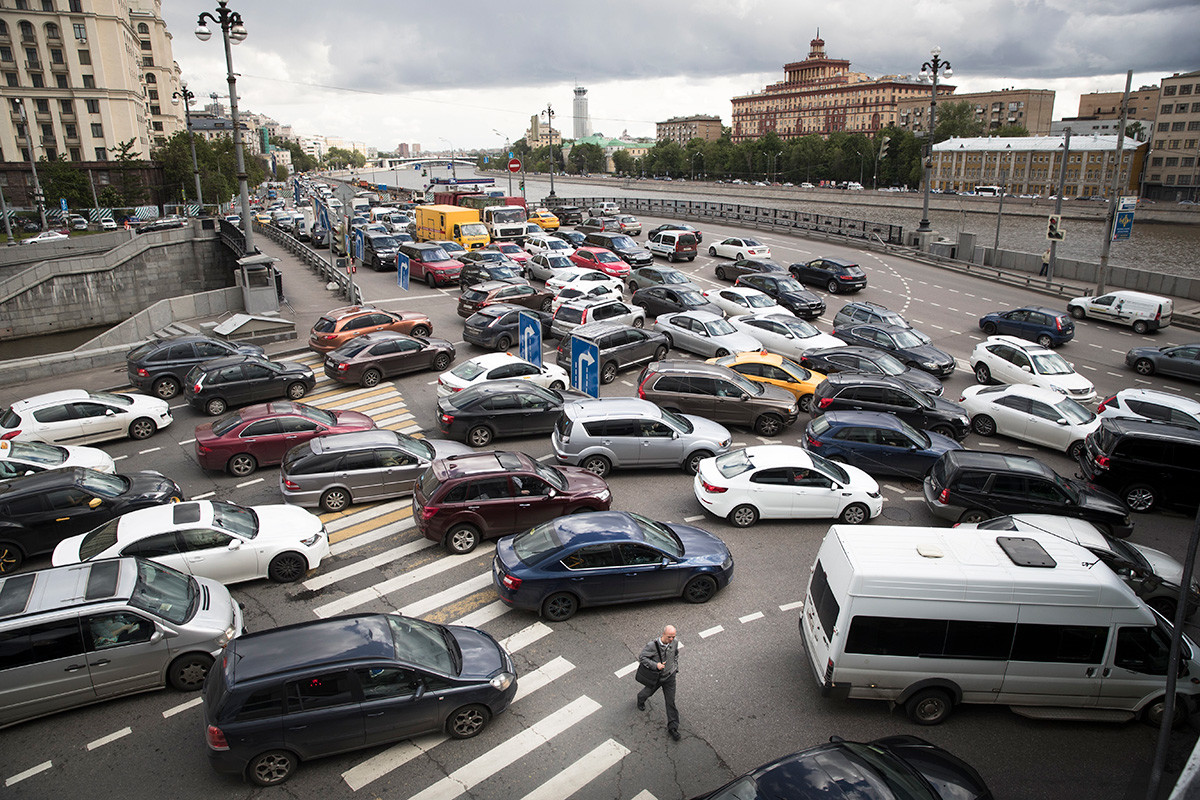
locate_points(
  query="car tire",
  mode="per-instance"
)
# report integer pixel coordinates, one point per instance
(1140, 497)
(639, 322)
(142, 428)
(712, 251)
(480, 436)
(334, 500)
(287, 568)
(989, 329)
(370, 378)
(700, 589)
(768, 425)
(241, 465)
(467, 721)
(1143, 366)
(973, 516)
(560, 607)
(11, 558)
(1152, 713)
(296, 390)
(215, 407)
(670, 258)
(272, 767)
(597, 464)
(692, 463)
(503, 343)
(441, 361)
(420, 330)
(1141, 328)
(1076, 450)
(670, 342)
(608, 373)
(721, 274)
(187, 673)
(461, 539)
(984, 425)
(558, 386)
(832, 286)
(165, 388)
(1077, 312)
(929, 706)
(430, 281)
(743, 516)
(855, 514)
(805, 403)
(1045, 341)
(982, 373)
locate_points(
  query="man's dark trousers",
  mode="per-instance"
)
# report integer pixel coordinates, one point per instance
(668, 690)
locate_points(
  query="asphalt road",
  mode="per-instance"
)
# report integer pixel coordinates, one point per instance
(745, 693)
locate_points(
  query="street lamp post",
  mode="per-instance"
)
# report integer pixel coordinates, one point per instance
(232, 32)
(930, 70)
(187, 97)
(550, 124)
(508, 155)
(778, 156)
(39, 199)
(453, 156)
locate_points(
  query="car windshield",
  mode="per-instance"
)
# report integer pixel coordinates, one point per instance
(417, 447)
(678, 421)
(101, 485)
(830, 469)
(902, 781)
(558, 262)
(502, 271)
(1073, 412)
(38, 453)
(751, 243)
(435, 254)
(623, 241)
(800, 329)
(673, 276)
(474, 229)
(719, 327)
(606, 258)
(789, 285)
(109, 397)
(735, 463)
(315, 414)
(324, 325)
(550, 476)
(425, 644)
(505, 214)
(97, 541)
(164, 592)
(468, 370)
(384, 242)
(914, 434)
(473, 296)
(535, 544)
(1050, 364)
(659, 536)
(557, 244)
(507, 247)
(352, 348)
(223, 425)
(909, 338)
(692, 298)
(235, 519)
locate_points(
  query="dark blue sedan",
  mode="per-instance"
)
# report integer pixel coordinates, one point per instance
(497, 327)
(876, 442)
(1047, 327)
(607, 557)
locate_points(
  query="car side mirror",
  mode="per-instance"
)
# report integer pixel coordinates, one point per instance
(666, 562)
(1027, 368)
(108, 412)
(235, 544)
(1061, 421)
(156, 637)
(95, 502)
(743, 398)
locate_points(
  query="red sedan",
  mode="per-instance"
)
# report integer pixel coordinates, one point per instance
(510, 249)
(600, 259)
(260, 435)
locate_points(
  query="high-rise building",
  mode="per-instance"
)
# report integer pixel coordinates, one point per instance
(1143, 104)
(583, 123)
(540, 135)
(821, 95)
(1033, 109)
(1174, 171)
(90, 76)
(682, 130)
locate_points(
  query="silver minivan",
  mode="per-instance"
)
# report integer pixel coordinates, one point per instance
(601, 434)
(334, 472)
(83, 633)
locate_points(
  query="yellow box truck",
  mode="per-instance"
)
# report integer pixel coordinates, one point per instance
(451, 222)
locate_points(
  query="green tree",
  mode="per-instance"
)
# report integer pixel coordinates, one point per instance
(130, 189)
(666, 158)
(301, 161)
(1136, 131)
(60, 180)
(337, 156)
(622, 162)
(956, 119)
(1011, 130)
(281, 172)
(587, 158)
(808, 155)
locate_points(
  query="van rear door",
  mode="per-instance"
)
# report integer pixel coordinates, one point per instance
(818, 617)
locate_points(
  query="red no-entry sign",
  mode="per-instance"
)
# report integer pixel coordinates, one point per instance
(514, 165)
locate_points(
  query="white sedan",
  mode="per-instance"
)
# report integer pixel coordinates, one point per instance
(1007, 359)
(209, 539)
(738, 300)
(545, 244)
(1030, 414)
(780, 481)
(736, 248)
(46, 236)
(582, 276)
(75, 416)
(498, 367)
(785, 334)
(22, 458)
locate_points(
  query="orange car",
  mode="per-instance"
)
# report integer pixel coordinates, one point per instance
(341, 325)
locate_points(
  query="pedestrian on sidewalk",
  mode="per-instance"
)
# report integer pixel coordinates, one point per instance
(658, 666)
(1045, 262)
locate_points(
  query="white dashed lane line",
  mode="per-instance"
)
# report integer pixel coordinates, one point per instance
(751, 617)
(704, 634)
(179, 709)
(790, 606)
(29, 773)
(112, 737)
(250, 483)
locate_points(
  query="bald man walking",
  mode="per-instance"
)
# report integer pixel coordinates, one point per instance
(660, 658)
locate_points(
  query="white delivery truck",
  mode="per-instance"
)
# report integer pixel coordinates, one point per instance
(1145, 313)
(927, 618)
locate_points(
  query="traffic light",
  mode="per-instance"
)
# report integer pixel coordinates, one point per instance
(883, 147)
(1054, 232)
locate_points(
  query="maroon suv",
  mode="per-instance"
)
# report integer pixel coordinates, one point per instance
(461, 499)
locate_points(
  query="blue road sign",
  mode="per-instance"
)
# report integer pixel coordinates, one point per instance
(402, 271)
(585, 366)
(1123, 226)
(530, 328)
(62, 201)
(359, 238)
(323, 213)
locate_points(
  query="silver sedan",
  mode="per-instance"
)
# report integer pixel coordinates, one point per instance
(704, 334)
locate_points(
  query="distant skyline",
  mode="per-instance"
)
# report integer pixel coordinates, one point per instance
(446, 77)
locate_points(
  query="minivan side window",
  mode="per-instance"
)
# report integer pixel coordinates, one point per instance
(115, 629)
(1061, 644)
(929, 638)
(39, 643)
(1144, 650)
(319, 691)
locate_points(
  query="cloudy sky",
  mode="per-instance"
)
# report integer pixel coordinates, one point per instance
(453, 73)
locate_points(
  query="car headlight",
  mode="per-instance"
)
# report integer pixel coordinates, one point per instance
(728, 562)
(873, 495)
(606, 494)
(929, 364)
(1059, 389)
(311, 540)
(502, 681)
(227, 635)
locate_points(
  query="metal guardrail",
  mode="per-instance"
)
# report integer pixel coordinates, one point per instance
(327, 270)
(232, 236)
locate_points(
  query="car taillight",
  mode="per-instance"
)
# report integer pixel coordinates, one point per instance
(428, 512)
(447, 418)
(511, 583)
(1104, 405)
(203, 449)
(342, 367)
(216, 738)
(292, 485)
(11, 434)
(1102, 462)
(824, 402)
(944, 497)
(196, 388)
(327, 337)
(1058, 323)
(812, 441)
(708, 487)
(143, 372)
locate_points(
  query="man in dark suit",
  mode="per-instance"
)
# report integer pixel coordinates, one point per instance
(662, 655)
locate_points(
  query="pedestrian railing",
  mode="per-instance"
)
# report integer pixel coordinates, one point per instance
(325, 267)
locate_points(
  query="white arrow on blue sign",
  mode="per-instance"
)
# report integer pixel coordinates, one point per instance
(530, 328)
(585, 366)
(402, 271)
(359, 238)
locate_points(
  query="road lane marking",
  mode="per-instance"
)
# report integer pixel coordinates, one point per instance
(525, 637)
(750, 617)
(112, 737)
(570, 780)
(244, 484)
(381, 590)
(359, 567)
(29, 773)
(713, 631)
(542, 676)
(791, 606)
(179, 709)
(447, 596)
(483, 615)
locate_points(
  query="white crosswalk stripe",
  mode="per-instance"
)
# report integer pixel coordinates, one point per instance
(483, 615)
(358, 567)
(381, 590)
(573, 778)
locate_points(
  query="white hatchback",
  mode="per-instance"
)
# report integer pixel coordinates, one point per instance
(779, 481)
(582, 276)
(22, 458)
(1007, 359)
(1152, 404)
(738, 300)
(545, 244)
(75, 416)
(209, 539)
(500, 367)
(785, 334)
(1030, 414)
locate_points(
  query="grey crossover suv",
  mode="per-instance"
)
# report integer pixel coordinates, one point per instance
(621, 346)
(599, 435)
(718, 393)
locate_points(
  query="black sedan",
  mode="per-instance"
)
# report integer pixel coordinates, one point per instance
(497, 327)
(43, 509)
(867, 771)
(573, 238)
(835, 274)
(479, 414)
(786, 291)
(677, 226)
(480, 266)
(747, 266)
(907, 344)
(666, 299)
(642, 277)
(869, 361)
(1181, 361)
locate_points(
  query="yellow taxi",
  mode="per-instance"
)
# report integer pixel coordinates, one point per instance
(263, 217)
(765, 367)
(544, 219)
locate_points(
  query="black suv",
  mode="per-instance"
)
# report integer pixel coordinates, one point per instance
(623, 246)
(846, 391)
(39, 511)
(379, 251)
(568, 215)
(159, 367)
(215, 386)
(479, 267)
(1148, 464)
(786, 291)
(621, 346)
(970, 486)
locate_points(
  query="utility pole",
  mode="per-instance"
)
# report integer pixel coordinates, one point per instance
(550, 125)
(1102, 272)
(38, 198)
(1062, 178)
(7, 222)
(999, 214)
